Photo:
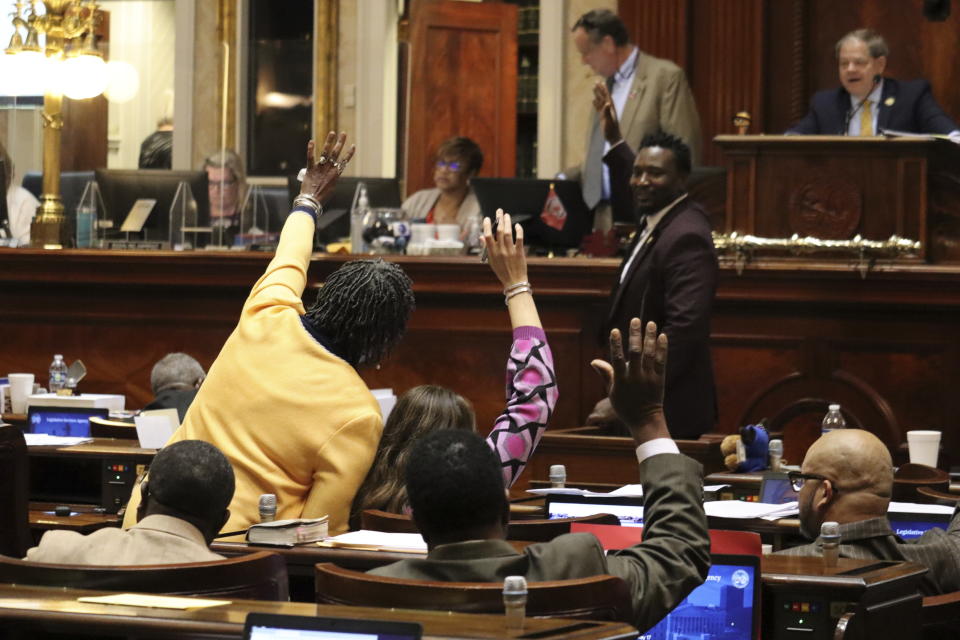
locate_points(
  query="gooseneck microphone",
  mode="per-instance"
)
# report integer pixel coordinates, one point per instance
(268, 507)
(852, 112)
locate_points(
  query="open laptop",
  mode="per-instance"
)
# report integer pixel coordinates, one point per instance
(775, 488)
(264, 626)
(726, 605)
(629, 510)
(63, 421)
(910, 525)
(524, 199)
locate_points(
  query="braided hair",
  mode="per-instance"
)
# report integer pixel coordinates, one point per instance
(362, 309)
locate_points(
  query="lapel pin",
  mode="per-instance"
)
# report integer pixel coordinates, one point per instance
(889, 101)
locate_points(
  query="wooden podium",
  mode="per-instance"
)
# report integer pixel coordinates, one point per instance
(838, 187)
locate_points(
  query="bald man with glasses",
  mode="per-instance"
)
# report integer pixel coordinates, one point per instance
(847, 477)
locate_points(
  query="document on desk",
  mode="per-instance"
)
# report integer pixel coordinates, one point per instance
(626, 491)
(47, 440)
(745, 510)
(377, 541)
(915, 507)
(156, 602)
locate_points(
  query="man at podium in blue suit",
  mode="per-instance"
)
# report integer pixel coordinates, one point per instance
(868, 103)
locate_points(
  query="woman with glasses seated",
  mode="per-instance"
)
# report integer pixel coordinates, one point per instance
(226, 182)
(452, 201)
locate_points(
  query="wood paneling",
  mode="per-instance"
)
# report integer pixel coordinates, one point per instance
(770, 56)
(660, 27)
(787, 338)
(463, 82)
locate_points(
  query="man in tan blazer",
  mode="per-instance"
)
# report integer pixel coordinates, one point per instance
(456, 493)
(184, 504)
(649, 94)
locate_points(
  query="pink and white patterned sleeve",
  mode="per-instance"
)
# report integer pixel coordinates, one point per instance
(531, 397)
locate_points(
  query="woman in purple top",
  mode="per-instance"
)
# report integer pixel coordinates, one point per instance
(531, 391)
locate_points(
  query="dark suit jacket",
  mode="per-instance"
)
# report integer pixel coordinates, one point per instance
(873, 539)
(914, 109)
(670, 562)
(672, 282)
(179, 399)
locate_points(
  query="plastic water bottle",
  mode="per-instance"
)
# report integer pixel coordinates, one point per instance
(357, 245)
(830, 543)
(515, 602)
(833, 420)
(58, 373)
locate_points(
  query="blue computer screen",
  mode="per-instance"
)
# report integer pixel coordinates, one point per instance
(720, 608)
(61, 423)
(910, 529)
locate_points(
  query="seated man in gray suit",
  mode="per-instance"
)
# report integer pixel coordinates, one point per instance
(847, 477)
(184, 505)
(456, 491)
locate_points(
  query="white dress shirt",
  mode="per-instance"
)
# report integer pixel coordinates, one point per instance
(622, 80)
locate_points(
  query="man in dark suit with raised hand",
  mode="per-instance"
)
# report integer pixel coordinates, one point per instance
(670, 273)
(867, 103)
(458, 500)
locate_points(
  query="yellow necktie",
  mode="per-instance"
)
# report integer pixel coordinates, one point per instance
(866, 120)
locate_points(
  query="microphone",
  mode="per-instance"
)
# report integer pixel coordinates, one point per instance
(852, 112)
(268, 507)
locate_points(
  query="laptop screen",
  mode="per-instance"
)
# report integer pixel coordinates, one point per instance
(629, 510)
(262, 626)
(910, 526)
(725, 606)
(63, 421)
(776, 489)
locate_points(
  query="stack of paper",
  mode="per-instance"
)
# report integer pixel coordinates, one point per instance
(743, 510)
(378, 541)
(626, 491)
(916, 507)
(47, 440)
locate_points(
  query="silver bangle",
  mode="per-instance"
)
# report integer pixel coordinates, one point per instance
(306, 200)
(516, 292)
(518, 285)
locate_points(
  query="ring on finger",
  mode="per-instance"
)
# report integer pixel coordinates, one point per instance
(322, 160)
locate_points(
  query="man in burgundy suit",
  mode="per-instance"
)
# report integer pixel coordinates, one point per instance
(669, 275)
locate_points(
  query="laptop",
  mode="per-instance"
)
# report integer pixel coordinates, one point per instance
(63, 421)
(524, 200)
(775, 488)
(628, 509)
(264, 626)
(726, 605)
(910, 525)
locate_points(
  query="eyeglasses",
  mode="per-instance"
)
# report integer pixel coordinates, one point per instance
(453, 165)
(797, 479)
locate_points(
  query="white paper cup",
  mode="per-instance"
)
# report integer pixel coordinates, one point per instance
(448, 232)
(21, 386)
(924, 447)
(420, 232)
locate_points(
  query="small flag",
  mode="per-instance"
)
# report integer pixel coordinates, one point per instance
(553, 214)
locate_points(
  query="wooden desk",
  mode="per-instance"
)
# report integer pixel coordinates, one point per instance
(302, 559)
(29, 609)
(128, 450)
(87, 518)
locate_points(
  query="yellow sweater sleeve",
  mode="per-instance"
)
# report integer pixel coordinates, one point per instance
(337, 479)
(286, 275)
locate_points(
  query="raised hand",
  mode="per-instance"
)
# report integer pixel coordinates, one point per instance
(635, 382)
(506, 256)
(322, 175)
(603, 103)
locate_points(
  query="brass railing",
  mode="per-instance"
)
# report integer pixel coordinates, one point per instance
(743, 246)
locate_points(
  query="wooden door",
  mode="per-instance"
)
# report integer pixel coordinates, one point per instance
(463, 81)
